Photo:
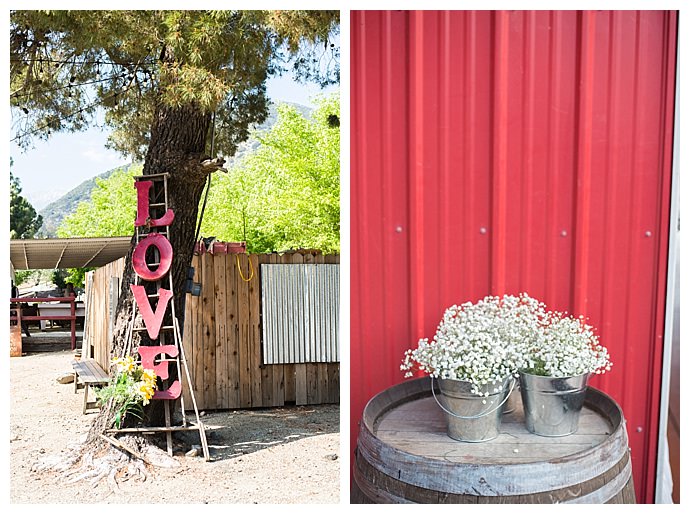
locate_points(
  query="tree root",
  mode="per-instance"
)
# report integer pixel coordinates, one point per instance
(106, 462)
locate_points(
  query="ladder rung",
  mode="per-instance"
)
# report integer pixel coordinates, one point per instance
(143, 236)
(157, 204)
(153, 176)
(167, 327)
(157, 360)
(150, 264)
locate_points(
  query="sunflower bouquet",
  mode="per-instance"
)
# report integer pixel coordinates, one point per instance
(130, 389)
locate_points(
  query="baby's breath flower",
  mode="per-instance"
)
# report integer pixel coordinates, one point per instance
(567, 347)
(487, 341)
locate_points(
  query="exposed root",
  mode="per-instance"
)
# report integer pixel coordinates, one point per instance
(95, 463)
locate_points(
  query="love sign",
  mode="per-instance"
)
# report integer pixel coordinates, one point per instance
(153, 319)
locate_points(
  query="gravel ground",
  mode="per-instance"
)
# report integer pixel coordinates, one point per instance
(287, 455)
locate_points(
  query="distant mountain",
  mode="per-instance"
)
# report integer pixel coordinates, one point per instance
(56, 211)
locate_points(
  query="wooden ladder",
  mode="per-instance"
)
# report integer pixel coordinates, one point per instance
(169, 333)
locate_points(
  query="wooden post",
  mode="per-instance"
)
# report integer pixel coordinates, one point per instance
(73, 314)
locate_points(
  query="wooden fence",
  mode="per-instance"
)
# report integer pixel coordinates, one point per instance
(222, 336)
(99, 305)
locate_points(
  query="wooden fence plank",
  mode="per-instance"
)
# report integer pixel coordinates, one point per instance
(333, 382)
(254, 300)
(208, 329)
(220, 307)
(241, 263)
(187, 347)
(290, 378)
(233, 350)
(197, 338)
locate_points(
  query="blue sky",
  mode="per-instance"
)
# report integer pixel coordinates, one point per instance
(57, 166)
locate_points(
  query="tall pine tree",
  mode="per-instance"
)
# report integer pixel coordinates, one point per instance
(24, 222)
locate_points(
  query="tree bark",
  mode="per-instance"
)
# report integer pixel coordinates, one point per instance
(178, 138)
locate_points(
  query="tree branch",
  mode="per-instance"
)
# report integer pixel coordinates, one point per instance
(214, 164)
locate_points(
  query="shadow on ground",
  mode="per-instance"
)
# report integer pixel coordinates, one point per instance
(234, 433)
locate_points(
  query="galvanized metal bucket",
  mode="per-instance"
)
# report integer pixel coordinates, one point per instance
(472, 418)
(552, 405)
(512, 401)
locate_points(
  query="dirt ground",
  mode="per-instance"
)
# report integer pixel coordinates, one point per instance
(287, 455)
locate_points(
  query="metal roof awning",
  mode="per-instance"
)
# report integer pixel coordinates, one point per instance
(57, 253)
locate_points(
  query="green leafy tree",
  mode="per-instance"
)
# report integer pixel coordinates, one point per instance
(286, 193)
(160, 76)
(109, 211)
(24, 221)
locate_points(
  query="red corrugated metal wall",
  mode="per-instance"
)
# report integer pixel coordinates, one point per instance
(500, 152)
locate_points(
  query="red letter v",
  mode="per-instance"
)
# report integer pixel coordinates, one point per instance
(152, 320)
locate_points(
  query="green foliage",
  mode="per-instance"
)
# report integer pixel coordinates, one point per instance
(24, 222)
(21, 276)
(285, 194)
(33, 277)
(77, 276)
(65, 64)
(58, 277)
(109, 212)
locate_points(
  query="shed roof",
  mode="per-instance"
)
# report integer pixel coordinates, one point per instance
(67, 253)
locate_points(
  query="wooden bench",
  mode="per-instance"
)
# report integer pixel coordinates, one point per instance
(89, 373)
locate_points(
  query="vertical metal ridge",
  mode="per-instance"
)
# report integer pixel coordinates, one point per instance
(608, 297)
(529, 101)
(500, 157)
(388, 189)
(444, 149)
(417, 204)
(632, 242)
(468, 138)
(553, 161)
(550, 172)
(584, 167)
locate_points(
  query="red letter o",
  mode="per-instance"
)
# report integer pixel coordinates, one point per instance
(139, 257)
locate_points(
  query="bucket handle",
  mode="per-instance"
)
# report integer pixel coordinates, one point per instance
(512, 386)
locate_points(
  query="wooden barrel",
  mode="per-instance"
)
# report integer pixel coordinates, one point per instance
(404, 455)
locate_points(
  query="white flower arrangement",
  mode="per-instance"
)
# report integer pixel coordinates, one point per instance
(566, 346)
(482, 343)
(488, 341)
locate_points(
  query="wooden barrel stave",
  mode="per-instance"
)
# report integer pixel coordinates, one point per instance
(387, 474)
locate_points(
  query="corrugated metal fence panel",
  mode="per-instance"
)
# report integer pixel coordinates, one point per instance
(300, 305)
(499, 152)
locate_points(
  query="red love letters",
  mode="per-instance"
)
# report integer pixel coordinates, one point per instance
(148, 357)
(139, 257)
(154, 320)
(143, 218)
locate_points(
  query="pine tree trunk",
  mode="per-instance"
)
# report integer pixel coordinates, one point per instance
(177, 144)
